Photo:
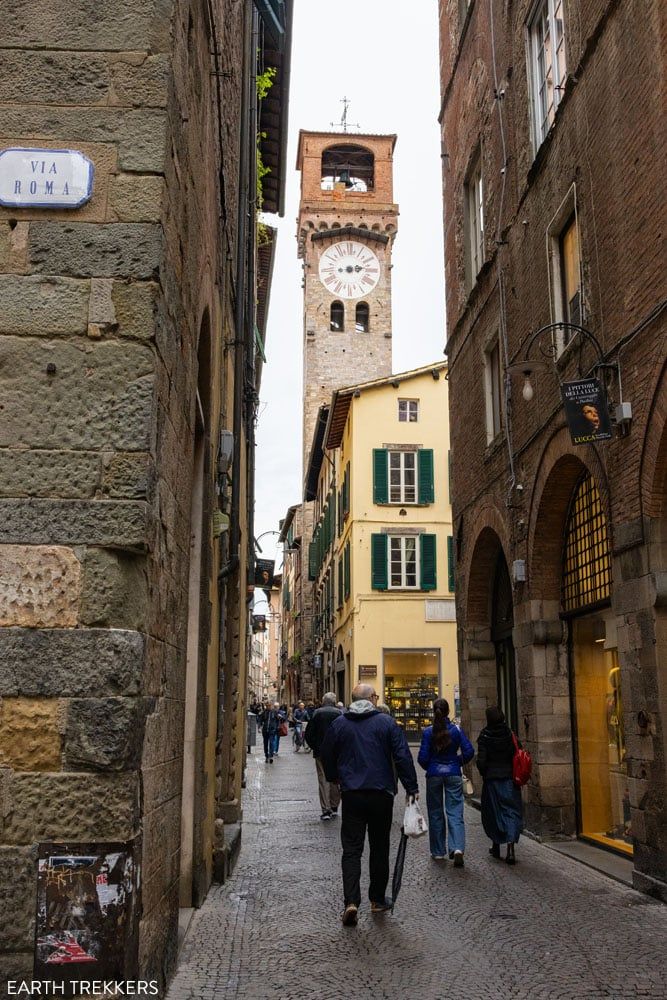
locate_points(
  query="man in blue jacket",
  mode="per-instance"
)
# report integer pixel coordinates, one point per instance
(363, 751)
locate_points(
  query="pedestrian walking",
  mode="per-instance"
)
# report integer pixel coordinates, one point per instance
(269, 721)
(316, 730)
(502, 808)
(444, 747)
(359, 751)
(282, 730)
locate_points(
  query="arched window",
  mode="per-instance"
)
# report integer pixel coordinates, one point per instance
(348, 164)
(586, 553)
(362, 318)
(337, 316)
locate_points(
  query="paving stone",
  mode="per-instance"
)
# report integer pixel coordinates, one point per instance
(547, 928)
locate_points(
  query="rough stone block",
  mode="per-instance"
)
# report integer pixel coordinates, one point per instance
(89, 26)
(16, 965)
(29, 734)
(73, 474)
(70, 662)
(105, 734)
(140, 135)
(137, 198)
(139, 80)
(115, 590)
(81, 249)
(100, 395)
(129, 476)
(70, 807)
(122, 524)
(135, 306)
(50, 77)
(101, 312)
(39, 586)
(42, 306)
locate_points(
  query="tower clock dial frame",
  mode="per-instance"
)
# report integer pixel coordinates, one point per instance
(349, 270)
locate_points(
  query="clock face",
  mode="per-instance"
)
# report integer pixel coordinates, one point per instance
(349, 270)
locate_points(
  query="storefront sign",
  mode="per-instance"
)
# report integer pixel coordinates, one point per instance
(368, 670)
(85, 906)
(586, 411)
(45, 178)
(264, 569)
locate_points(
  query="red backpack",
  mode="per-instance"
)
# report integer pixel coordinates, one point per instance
(522, 764)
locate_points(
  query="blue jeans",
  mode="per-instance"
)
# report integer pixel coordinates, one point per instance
(275, 742)
(452, 786)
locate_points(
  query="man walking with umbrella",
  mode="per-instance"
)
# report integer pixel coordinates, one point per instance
(360, 751)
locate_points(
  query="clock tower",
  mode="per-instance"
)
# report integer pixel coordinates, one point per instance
(346, 228)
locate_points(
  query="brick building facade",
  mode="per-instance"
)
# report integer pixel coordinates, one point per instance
(553, 139)
(127, 346)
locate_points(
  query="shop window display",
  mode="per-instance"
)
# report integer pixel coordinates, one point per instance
(411, 686)
(604, 804)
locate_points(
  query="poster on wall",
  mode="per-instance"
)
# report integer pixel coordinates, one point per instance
(586, 411)
(85, 908)
(264, 570)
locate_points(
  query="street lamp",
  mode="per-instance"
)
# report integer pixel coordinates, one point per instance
(550, 353)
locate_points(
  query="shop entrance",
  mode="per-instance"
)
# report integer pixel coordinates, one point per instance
(502, 622)
(411, 683)
(603, 805)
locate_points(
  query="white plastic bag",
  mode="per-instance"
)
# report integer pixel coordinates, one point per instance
(414, 821)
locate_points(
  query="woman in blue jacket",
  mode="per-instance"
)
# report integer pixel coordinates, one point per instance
(443, 749)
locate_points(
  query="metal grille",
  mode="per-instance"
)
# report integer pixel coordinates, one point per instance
(586, 554)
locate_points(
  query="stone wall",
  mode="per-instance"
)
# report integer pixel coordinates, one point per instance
(101, 355)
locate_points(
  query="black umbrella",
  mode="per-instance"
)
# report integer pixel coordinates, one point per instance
(398, 868)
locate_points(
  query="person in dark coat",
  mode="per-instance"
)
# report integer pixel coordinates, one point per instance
(502, 808)
(443, 749)
(359, 751)
(316, 730)
(269, 721)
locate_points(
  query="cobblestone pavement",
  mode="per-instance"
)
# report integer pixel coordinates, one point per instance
(548, 928)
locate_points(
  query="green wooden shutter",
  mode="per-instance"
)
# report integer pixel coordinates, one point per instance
(379, 562)
(380, 476)
(425, 464)
(312, 561)
(449, 476)
(451, 577)
(346, 490)
(346, 564)
(340, 583)
(427, 560)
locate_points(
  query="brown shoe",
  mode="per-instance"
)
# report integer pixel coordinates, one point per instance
(350, 915)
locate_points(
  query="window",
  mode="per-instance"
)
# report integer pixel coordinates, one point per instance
(349, 165)
(570, 272)
(362, 318)
(474, 222)
(402, 477)
(493, 392)
(408, 411)
(337, 316)
(586, 553)
(403, 562)
(546, 42)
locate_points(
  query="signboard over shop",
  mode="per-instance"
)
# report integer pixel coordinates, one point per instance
(45, 178)
(586, 411)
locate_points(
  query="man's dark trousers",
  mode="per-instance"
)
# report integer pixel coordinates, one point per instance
(364, 810)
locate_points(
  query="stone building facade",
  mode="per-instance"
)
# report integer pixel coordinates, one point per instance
(553, 135)
(127, 333)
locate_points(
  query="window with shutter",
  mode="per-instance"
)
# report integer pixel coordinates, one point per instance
(426, 487)
(312, 561)
(428, 562)
(451, 578)
(379, 562)
(346, 491)
(340, 583)
(380, 476)
(346, 557)
(404, 552)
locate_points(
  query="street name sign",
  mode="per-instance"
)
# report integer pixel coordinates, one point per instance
(45, 178)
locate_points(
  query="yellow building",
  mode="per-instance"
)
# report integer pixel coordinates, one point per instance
(381, 556)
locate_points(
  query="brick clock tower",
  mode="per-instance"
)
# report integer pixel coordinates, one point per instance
(346, 228)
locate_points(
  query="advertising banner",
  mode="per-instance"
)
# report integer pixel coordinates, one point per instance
(586, 411)
(264, 570)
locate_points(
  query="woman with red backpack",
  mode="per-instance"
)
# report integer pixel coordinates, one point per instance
(503, 773)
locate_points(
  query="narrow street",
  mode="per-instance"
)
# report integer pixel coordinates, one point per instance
(549, 928)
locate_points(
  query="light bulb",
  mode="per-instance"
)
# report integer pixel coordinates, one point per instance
(527, 392)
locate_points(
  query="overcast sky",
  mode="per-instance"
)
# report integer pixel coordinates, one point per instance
(383, 56)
